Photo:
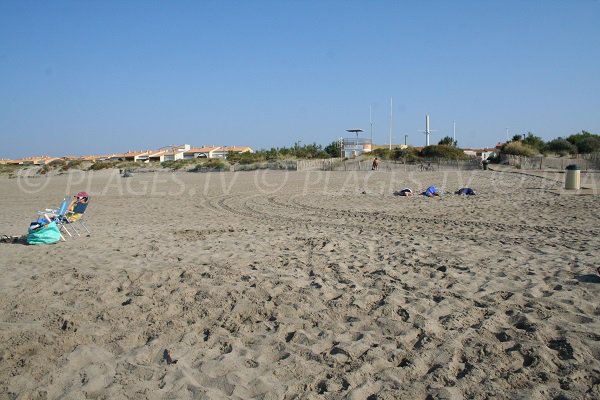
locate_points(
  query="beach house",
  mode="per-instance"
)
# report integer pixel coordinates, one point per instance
(130, 156)
(484, 153)
(353, 147)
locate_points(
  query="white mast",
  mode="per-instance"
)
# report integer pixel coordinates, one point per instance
(371, 122)
(391, 121)
(454, 133)
(427, 132)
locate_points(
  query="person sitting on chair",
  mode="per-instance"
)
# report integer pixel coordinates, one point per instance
(79, 198)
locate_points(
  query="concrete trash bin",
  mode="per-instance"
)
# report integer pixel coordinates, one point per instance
(572, 177)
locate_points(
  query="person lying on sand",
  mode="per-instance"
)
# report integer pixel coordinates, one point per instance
(431, 191)
(404, 192)
(466, 192)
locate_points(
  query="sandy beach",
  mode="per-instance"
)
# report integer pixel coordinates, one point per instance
(307, 285)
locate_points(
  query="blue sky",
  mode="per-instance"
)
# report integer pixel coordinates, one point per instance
(97, 77)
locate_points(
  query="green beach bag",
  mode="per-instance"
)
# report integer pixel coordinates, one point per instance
(46, 234)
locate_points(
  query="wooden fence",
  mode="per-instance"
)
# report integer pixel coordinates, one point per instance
(337, 164)
(584, 161)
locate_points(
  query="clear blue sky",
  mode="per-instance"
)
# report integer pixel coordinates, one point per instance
(97, 77)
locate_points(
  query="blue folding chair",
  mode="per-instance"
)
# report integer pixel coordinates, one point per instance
(58, 214)
(69, 214)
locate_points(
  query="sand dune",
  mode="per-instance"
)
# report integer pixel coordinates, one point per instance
(282, 285)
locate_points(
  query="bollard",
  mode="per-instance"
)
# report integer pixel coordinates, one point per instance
(572, 177)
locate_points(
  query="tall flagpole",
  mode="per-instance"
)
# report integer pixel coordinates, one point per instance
(454, 132)
(371, 122)
(391, 121)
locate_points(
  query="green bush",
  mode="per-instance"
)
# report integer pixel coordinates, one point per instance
(448, 141)
(130, 165)
(211, 164)
(214, 163)
(71, 164)
(178, 164)
(251, 167)
(585, 142)
(443, 151)
(518, 149)
(8, 168)
(589, 145)
(309, 151)
(409, 155)
(246, 158)
(534, 142)
(333, 149)
(560, 146)
(57, 163)
(385, 153)
(99, 165)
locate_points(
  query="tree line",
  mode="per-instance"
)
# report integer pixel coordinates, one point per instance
(531, 145)
(523, 145)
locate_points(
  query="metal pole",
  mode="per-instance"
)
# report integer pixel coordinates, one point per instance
(371, 122)
(454, 134)
(426, 130)
(391, 120)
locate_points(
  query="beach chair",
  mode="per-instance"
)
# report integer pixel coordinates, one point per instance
(58, 214)
(74, 217)
(62, 208)
(70, 213)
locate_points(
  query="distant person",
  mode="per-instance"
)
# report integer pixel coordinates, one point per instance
(466, 192)
(431, 191)
(404, 192)
(375, 165)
